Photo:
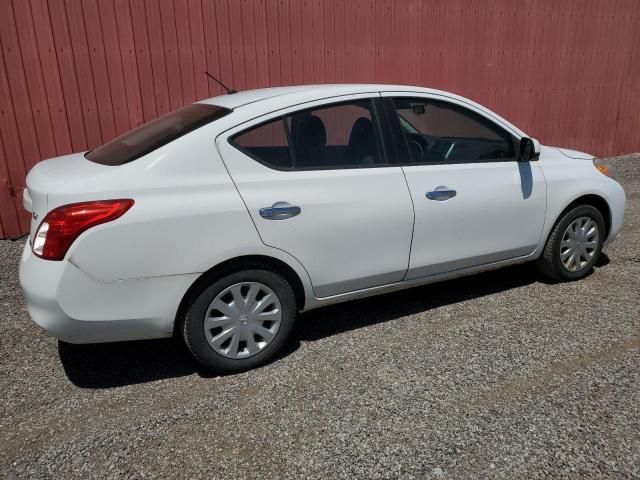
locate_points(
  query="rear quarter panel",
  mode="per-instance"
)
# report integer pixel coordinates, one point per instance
(187, 217)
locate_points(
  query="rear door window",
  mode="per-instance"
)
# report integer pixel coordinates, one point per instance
(341, 135)
(268, 143)
(156, 133)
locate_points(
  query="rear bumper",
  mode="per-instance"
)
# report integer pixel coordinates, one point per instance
(73, 307)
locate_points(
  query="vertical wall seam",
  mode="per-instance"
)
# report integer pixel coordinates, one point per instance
(64, 98)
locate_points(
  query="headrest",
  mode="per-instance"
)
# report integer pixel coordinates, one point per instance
(312, 133)
(362, 133)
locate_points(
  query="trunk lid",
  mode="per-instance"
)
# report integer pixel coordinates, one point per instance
(52, 174)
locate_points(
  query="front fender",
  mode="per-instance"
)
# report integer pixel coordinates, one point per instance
(569, 179)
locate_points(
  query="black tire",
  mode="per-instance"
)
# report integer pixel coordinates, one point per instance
(193, 322)
(550, 263)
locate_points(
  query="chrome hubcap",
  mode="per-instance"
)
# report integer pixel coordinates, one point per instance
(579, 244)
(242, 320)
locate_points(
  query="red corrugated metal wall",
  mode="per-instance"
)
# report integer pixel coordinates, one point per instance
(74, 73)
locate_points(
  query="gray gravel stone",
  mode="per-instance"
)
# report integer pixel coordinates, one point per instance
(499, 375)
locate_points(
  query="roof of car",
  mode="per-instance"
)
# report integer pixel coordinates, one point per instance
(269, 99)
(246, 97)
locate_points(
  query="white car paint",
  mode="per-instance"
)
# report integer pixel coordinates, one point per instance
(369, 211)
(477, 228)
(197, 201)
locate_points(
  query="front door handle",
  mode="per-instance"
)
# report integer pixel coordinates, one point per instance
(280, 211)
(441, 193)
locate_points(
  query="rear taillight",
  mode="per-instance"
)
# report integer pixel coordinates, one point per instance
(62, 225)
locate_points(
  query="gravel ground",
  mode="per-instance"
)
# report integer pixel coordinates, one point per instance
(497, 375)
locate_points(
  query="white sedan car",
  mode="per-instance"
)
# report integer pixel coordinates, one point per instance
(220, 221)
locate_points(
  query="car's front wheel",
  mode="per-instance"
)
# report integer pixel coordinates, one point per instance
(240, 321)
(574, 245)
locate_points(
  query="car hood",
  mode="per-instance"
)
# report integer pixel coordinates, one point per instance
(574, 154)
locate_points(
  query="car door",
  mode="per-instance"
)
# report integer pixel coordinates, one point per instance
(475, 203)
(317, 185)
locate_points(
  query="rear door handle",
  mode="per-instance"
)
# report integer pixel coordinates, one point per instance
(280, 211)
(441, 193)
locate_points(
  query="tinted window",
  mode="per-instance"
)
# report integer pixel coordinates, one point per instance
(442, 132)
(153, 135)
(268, 143)
(336, 136)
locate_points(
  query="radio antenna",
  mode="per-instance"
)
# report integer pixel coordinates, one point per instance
(229, 90)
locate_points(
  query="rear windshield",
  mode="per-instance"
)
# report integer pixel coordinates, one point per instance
(150, 136)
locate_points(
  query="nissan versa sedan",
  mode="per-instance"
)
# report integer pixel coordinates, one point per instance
(220, 221)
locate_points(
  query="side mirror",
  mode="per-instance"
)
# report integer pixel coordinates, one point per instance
(529, 149)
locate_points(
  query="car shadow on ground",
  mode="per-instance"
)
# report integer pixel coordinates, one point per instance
(361, 313)
(107, 365)
(117, 364)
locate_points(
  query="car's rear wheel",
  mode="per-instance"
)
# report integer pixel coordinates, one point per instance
(240, 321)
(574, 245)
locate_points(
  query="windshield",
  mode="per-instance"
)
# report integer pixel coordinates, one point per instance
(156, 133)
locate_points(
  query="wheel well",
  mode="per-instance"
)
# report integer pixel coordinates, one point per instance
(234, 265)
(597, 202)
